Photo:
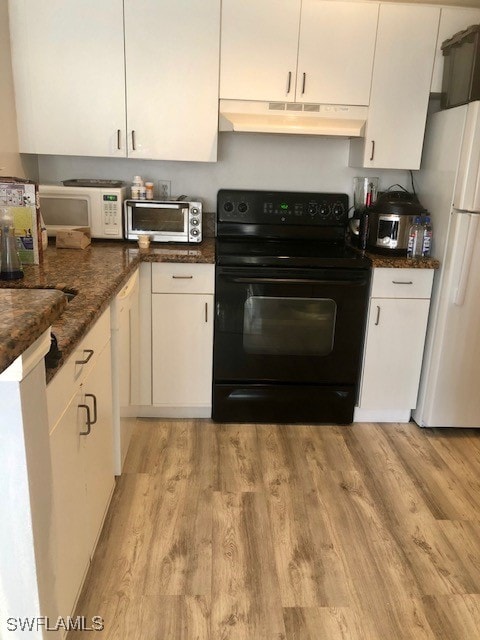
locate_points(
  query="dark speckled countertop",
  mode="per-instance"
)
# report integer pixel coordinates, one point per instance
(94, 274)
(398, 262)
(24, 316)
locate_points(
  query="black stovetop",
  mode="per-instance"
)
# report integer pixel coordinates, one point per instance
(288, 253)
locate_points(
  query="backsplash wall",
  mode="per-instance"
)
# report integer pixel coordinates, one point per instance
(251, 161)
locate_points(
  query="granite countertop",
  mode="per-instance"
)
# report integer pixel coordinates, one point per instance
(94, 275)
(24, 316)
(380, 261)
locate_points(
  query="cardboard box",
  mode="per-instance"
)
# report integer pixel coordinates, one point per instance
(21, 197)
(73, 238)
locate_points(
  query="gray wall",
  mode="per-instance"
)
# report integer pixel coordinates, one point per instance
(245, 160)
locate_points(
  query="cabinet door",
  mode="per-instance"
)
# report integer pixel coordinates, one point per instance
(71, 548)
(393, 353)
(172, 63)
(68, 62)
(259, 49)
(98, 445)
(335, 56)
(182, 347)
(402, 74)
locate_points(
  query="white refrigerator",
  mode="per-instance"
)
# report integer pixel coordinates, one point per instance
(449, 187)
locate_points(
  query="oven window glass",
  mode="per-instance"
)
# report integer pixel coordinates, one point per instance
(164, 219)
(289, 326)
(65, 211)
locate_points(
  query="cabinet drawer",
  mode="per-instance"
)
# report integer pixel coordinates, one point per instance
(62, 387)
(402, 283)
(182, 278)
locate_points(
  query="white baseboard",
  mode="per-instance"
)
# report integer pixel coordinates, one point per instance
(167, 411)
(381, 415)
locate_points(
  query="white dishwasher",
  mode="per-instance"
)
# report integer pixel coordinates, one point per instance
(125, 366)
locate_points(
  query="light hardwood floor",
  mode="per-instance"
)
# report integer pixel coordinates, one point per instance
(270, 532)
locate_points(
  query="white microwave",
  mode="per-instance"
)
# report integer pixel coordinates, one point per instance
(99, 208)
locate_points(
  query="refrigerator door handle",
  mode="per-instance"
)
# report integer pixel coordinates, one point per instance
(459, 297)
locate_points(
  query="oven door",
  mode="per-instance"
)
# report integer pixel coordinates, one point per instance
(289, 325)
(163, 222)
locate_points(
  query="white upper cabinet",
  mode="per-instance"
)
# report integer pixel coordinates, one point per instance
(172, 66)
(259, 45)
(68, 64)
(402, 74)
(287, 50)
(336, 48)
(452, 20)
(86, 86)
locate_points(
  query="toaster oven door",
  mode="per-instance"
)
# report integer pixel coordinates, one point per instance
(163, 222)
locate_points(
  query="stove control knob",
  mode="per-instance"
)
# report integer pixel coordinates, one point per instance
(228, 207)
(194, 232)
(338, 210)
(312, 208)
(243, 207)
(195, 221)
(324, 210)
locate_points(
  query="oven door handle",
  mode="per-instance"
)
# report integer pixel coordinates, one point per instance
(254, 280)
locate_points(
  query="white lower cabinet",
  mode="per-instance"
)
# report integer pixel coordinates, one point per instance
(181, 348)
(79, 401)
(394, 343)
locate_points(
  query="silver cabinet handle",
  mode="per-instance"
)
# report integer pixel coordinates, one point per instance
(377, 321)
(119, 139)
(289, 82)
(182, 277)
(303, 83)
(402, 282)
(91, 395)
(89, 421)
(134, 144)
(206, 312)
(89, 353)
(373, 150)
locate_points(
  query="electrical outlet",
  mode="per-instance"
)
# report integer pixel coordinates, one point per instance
(164, 189)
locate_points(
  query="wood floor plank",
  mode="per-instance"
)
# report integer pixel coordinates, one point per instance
(455, 617)
(154, 618)
(445, 493)
(180, 547)
(238, 459)
(331, 623)
(429, 553)
(149, 441)
(310, 570)
(245, 591)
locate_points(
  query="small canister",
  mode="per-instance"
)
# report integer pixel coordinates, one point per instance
(149, 188)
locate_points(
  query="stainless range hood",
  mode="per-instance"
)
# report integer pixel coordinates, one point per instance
(292, 118)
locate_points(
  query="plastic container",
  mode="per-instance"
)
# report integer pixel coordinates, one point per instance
(461, 68)
(415, 239)
(427, 238)
(136, 189)
(149, 188)
(10, 266)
